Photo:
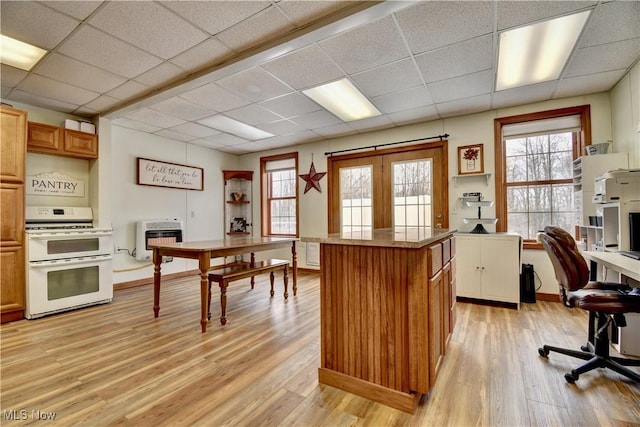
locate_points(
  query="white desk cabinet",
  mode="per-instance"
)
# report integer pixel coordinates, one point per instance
(488, 266)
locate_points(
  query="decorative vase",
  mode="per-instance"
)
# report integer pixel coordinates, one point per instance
(471, 165)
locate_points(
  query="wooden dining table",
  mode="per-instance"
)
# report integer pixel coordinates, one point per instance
(204, 250)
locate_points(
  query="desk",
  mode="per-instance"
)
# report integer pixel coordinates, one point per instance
(624, 265)
(626, 340)
(204, 250)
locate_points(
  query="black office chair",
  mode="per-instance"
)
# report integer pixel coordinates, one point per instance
(606, 302)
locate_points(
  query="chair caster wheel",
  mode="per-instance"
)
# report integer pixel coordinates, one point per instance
(571, 379)
(584, 347)
(543, 352)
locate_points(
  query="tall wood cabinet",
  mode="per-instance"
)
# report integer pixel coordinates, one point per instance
(238, 195)
(12, 250)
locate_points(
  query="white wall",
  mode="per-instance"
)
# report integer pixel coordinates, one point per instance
(463, 130)
(201, 211)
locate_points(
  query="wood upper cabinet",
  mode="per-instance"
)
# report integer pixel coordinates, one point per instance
(49, 139)
(12, 252)
(12, 161)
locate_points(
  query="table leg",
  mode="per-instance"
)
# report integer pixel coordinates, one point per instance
(294, 266)
(157, 260)
(285, 279)
(204, 264)
(223, 303)
(253, 264)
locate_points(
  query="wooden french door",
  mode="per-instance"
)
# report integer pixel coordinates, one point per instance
(393, 187)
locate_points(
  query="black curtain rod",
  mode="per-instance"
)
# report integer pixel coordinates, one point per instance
(375, 147)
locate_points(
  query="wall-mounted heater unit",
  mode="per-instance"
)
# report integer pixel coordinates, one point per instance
(157, 231)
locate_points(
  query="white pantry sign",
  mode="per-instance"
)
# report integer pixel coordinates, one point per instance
(54, 184)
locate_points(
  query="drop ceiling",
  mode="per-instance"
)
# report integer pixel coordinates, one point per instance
(164, 67)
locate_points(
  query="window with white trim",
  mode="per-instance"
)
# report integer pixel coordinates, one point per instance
(279, 195)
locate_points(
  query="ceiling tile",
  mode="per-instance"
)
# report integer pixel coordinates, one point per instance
(255, 84)
(215, 97)
(214, 18)
(304, 68)
(367, 46)
(372, 123)
(392, 77)
(148, 26)
(456, 60)
(207, 53)
(181, 108)
(403, 100)
(516, 13)
(434, 24)
(524, 95)
(11, 76)
(56, 90)
(42, 101)
(625, 15)
(316, 120)
(339, 129)
(162, 74)
(78, 9)
(612, 56)
(265, 25)
(134, 124)
(156, 118)
(414, 115)
(293, 104)
(280, 127)
(304, 12)
(461, 87)
(172, 134)
(71, 71)
(129, 89)
(253, 115)
(102, 103)
(35, 23)
(195, 130)
(474, 104)
(591, 83)
(225, 139)
(104, 51)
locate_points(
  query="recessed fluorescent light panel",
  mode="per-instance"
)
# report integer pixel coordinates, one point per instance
(537, 53)
(343, 100)
(243, 130)
(19, 54)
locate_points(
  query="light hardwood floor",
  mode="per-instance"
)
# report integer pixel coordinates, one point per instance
(116, 364)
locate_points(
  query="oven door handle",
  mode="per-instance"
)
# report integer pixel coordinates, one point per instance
(72, 234)
(69, 261)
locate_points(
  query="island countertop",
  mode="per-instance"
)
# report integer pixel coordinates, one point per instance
(401, 237)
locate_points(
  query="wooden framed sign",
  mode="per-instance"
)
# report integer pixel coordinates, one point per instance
(172, 175)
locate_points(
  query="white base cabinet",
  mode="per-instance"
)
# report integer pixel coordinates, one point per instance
(488, 266)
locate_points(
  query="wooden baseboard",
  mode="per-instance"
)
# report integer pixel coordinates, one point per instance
(547, 297)
(407, 402)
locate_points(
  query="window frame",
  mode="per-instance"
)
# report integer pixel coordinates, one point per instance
(583, 140)
(265, 200)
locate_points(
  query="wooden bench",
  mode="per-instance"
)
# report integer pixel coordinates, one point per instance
(228, 274)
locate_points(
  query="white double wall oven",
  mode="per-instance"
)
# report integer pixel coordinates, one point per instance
(69, 262)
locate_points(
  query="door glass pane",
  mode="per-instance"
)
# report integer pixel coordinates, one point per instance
(412, 192)
(356, 198)
(73, 245)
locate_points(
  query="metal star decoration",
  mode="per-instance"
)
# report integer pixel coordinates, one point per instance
(312, 179)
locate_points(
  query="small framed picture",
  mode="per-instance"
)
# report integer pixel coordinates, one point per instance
(470, 159)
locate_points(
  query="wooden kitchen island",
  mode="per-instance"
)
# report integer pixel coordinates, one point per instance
(387, 311)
